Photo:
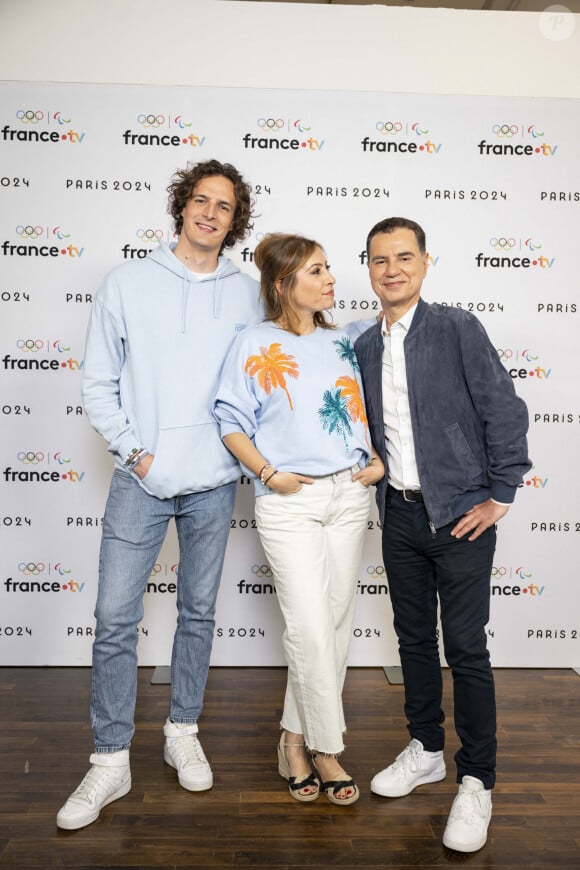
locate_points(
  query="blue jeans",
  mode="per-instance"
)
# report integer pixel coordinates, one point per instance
(420, 568)
(134, 528)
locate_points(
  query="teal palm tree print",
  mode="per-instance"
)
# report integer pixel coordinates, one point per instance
(334, 414)
(345, 350)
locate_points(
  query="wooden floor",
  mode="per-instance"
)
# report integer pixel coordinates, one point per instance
(248, 819)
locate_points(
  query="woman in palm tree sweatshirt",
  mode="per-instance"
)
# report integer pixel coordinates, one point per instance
(291, 410)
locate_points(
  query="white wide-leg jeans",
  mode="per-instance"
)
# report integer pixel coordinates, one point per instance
(313, 542)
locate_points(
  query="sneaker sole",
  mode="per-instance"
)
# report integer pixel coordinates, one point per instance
(472, 847)
(200, 785)
(89, 818)
(436, 776)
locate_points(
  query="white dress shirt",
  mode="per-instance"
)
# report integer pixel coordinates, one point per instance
(403, 473)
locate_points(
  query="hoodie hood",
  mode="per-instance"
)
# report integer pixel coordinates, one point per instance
(166, 259)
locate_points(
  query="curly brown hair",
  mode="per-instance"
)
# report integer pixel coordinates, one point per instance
(182, 187)
(279, 256)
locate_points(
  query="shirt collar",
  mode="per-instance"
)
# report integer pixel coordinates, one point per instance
(404, 322)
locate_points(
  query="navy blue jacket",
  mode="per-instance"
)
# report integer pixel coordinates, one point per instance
(469, 426)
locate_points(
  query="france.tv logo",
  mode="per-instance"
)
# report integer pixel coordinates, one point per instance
(282, 134)
(55, 242)
(511, 252)
(523, 364)
(158, 122)
(42, 354)
(31, 120)
(517, 140)
(403, 137)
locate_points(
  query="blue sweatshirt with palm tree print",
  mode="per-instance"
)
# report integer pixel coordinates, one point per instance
(299, 398)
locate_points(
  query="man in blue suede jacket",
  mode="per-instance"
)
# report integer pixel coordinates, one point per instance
(444, 416)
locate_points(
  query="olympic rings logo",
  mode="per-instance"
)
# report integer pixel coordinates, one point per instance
(28, 457)
(33, 568)
(27, 116)
(498, 572)
(29, 232)
(262, 570)
(271, 124)
(151, 120)
(505, 131)
(502, 244)
(376, 571)
(32, 345)
(149, 235)
(504, 354)
(389, 127)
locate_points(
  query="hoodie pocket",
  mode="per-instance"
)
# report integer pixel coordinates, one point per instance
(189, 459)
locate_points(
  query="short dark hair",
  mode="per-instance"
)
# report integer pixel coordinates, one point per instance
(185, 181)
(389, 225)
(279, 256)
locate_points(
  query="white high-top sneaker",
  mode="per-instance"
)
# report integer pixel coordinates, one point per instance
(108, 779)
(183, 751)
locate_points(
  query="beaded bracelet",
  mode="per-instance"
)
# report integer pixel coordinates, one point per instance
(263, 471)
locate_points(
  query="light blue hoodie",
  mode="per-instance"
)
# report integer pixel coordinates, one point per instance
(157, 337)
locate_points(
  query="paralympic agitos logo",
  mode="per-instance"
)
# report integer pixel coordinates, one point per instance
(401, 137)
(41, 354)
(517, 140)
(283, 134)
(33, 124)
(168, 131)
(38, 466)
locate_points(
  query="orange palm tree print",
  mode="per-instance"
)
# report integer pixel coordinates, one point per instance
(349, 390)
(270, 367)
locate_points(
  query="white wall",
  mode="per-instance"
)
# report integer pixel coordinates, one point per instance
(279, 45)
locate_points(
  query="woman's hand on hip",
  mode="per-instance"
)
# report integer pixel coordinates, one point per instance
(287, 482)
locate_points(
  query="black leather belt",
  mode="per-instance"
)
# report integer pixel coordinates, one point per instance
(412, 495)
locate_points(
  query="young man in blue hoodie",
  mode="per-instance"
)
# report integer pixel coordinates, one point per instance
(159, 331)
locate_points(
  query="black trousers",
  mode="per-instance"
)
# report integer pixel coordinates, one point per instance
(421, 568)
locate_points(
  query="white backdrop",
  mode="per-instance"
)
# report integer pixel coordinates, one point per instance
(82, 183)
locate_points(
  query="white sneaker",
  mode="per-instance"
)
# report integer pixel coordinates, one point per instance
(108, 780)
(183, 752)
(412, 767)
(466, 829)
